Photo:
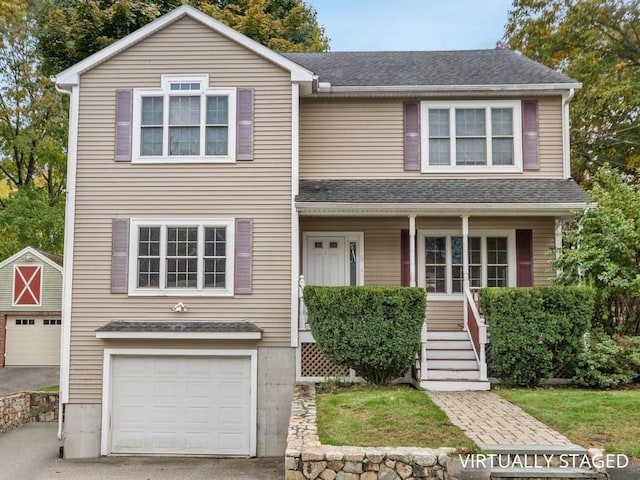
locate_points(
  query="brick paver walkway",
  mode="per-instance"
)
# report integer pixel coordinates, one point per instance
(489, 419)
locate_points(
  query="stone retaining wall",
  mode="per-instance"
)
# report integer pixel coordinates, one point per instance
(25, 407)
(307, 459)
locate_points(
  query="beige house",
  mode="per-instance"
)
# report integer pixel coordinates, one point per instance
(30, 303)
(210, 179)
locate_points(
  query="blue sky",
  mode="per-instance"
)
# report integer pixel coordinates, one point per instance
(412, 24)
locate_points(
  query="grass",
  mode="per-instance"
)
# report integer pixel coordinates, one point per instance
(52, 388)
(396, 416)
(590, 418)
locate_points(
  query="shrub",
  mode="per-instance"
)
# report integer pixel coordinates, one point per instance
(535, 331)
(608, 362)
(373, 330)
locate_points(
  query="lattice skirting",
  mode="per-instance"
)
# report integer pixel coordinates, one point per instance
(316, 364)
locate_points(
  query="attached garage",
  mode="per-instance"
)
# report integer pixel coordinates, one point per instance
(181, 405)
(32, 341)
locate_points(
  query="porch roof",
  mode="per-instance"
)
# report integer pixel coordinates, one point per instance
(433, 197)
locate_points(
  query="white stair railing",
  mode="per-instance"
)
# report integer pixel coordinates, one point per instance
(302, 309)
(476, 327)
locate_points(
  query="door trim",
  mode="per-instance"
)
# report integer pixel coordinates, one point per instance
(107, 383)
(358, 237)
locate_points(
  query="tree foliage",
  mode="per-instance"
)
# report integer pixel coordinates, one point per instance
(32, 140)
(71, 30)
(602, 248)
(596, 42)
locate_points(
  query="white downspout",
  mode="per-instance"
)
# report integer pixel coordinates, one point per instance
(69, 222)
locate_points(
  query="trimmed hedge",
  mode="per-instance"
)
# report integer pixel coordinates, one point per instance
(535, 331)
(373, 330)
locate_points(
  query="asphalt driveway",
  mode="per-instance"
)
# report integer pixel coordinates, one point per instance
(19, 379)
(31, 452)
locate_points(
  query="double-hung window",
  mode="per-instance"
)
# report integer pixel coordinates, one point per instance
(491, 258)
(471, 136)
(181, 257)
(184, 120)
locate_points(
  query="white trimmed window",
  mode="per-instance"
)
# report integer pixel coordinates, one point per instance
(181, 257)
(471, 136)
(184, 120)
(492, 261)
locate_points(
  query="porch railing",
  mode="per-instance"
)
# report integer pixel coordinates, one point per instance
(477, 328)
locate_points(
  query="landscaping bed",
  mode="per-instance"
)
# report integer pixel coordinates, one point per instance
(592, 418)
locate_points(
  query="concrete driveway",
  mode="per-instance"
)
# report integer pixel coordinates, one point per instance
(31, 451)
(19, 379)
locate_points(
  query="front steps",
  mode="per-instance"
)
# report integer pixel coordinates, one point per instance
(451, 363)
(540, 462)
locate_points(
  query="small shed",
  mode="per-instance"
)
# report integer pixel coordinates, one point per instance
(30, 305)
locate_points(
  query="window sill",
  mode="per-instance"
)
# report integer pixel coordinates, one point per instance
(444, 297)
(183, 159)
(471, 169)
(178, 292)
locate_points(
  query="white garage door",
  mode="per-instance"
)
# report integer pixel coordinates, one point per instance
(181, 405)
(32, 341)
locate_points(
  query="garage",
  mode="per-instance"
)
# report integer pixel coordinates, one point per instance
(32, 341)
(182, 404)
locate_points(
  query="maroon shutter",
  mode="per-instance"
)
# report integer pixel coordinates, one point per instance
(124, 117)
(524, 257)
(405, 258)
(119, 255)
(245, 124)
(243, 256)
(530, 148)
(412, 136)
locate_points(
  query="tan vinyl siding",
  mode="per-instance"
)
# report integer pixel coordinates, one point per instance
(382, 250)
(259, 189)
(363, 138)
(51, 288)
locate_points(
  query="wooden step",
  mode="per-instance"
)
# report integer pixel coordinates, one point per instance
(450, 354)
(454, 385)
(452, 364)
(447, 335)
(449, 374)
(449, 345)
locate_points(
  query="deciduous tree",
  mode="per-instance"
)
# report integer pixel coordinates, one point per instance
(597, 42)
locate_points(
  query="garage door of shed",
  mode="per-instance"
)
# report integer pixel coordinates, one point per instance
(32, 340)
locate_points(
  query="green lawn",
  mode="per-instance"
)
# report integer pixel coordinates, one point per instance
(385, 416)
(53, 388)
(590, 418)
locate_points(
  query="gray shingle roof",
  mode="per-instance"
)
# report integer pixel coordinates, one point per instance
(464, 67)
(439, 191)
(173, 327)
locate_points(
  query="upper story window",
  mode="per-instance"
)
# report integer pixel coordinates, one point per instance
(471, 136)
(184, 120)
(181, 257)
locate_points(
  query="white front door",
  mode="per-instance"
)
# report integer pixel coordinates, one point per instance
(333, 259)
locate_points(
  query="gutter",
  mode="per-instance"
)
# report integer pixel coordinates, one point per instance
(566, 139)
(439, 209)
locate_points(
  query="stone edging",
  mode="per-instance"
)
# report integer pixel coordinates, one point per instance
(24, 407)
(307, 459)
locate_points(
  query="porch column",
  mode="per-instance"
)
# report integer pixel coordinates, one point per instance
(465, 267)
(412, 250)
(558, 242)
(465, 252)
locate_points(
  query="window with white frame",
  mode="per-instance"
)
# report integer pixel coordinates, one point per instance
(185, 257)
(491, 257)
(471, 136)
(185, 119)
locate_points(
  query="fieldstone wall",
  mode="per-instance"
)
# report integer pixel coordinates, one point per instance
(307, 459)
(25, 407)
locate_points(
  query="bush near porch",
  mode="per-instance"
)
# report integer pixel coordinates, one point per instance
(535, 331)
(373, 330)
